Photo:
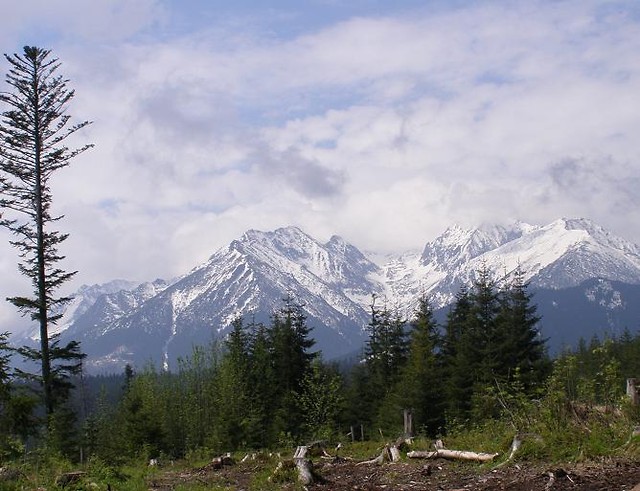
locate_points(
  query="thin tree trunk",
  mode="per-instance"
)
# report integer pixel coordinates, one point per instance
(41, 263)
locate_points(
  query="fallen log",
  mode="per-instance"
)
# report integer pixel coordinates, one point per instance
(453, 455)
(422, 454)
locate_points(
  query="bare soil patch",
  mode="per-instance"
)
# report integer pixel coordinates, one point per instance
(438, 475)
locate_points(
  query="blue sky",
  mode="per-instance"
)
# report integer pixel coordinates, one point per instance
(383, 122)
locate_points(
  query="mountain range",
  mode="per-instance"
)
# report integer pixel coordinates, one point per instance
(585, 280)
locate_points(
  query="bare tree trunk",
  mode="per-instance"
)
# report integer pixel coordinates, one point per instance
(408, 423)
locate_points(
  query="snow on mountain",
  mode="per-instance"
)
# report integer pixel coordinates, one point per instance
(596, 307)
(82, 300)
(559, 255)
(334, 282)
(250, 276)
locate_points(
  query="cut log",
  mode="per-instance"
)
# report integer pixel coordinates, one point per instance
(303, 465)
(422, 454)
(453, 455)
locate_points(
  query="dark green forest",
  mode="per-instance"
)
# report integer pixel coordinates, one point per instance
(264, 386)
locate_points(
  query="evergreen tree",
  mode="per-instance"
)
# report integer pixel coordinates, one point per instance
(483, 333)
(291, 360)
(32, 147)
(386, 349)
(17, 420)
(6, 439)
(262, 386)
(457, 350)
(142, 416)
(419, 387)
(5, 375)
(234, 420)
(361, 401)
(385, 356)
(195, 392)
(521, 348)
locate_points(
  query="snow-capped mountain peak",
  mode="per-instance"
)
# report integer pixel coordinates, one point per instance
(334, 281)
(558, 255)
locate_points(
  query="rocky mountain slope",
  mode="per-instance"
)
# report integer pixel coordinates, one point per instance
(569, 263)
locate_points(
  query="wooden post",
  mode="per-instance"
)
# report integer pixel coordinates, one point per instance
(632, 391)
(408, 423)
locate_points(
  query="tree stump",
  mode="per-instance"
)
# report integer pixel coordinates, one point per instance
(303, 465)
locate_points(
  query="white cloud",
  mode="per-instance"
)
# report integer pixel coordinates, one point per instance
(382, 128)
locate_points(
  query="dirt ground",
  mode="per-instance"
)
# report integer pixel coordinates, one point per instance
(416, 475)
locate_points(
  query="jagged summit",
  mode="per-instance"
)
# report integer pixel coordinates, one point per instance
(561, 254)
(160, 321)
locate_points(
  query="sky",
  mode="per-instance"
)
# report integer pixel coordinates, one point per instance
(382, 122)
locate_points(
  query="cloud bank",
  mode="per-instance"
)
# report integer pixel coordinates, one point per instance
(381, 124)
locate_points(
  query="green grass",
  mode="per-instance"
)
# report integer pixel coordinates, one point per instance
(554, 433)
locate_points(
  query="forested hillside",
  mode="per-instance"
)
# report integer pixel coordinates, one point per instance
(265, 386)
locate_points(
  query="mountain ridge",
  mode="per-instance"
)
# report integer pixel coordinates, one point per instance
(335, 281)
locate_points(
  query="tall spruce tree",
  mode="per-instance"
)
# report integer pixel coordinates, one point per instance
(291, 361)
(521, 348)
(484, 337)
(33, 134)
(419, 385)
(262, 385)
(456, 350)
(385, 356)
(232, 389)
